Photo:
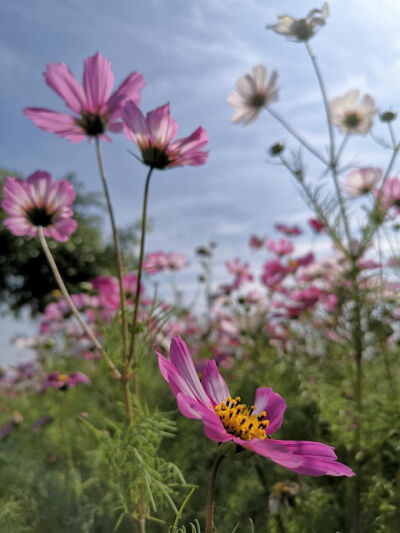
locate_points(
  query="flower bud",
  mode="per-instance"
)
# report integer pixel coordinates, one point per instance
(276, 149)
(388, 116)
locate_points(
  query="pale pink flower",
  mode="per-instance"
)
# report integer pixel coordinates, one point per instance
(350, 115)
(390, 196)
(253, 92)
(281, 247)
(96, 109)
(301, 29)
(39, 201)
(240, 270)
(155, 262)
(362, 180)
(154, 136)
(176, 261)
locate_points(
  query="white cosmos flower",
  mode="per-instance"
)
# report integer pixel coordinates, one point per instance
(301, 29)
(350, 115)
(253, 92)
(362, 180)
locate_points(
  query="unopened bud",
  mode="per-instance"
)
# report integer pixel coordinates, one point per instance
(276, 149)
(388, 116)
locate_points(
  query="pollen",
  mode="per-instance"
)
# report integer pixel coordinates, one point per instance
(238, 419)
(62, 377)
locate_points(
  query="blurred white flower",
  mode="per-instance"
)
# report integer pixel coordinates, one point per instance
(350, 115)
(362, 180)
(301, 29)
(253, 92)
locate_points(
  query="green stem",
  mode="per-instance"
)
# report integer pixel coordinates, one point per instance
(211, 494)
(333, 162)
(71, 304)
(117, 248)
(131, 356)
(297, 136)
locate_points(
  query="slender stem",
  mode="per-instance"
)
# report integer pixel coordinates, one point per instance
(117, 250)
(317, 208)
(297, 135)
(333, 159)
(71, 304)
(211, 494)
(131, 355)
(341, 148)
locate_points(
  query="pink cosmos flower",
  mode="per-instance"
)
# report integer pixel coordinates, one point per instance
(281, 247)
(154, 136)
(256, 242)
(316, 225)
(274, 273)
(56, 380)
(176, 261)
(391, 194)
(288, 230)
(39, 201)
(362, 180)
(97, 110)
(241, 272)
(226, 419)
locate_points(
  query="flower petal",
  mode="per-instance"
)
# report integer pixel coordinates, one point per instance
(183, 362)
(128, 90)
(270, 449)
(273, 404)
(214, 384)
(62, 81)
(98, 81)
(59, 123)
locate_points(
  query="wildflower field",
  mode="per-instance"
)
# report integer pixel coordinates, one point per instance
(182, 389)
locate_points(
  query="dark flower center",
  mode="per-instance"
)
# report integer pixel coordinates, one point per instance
(352, 119)
(39, 216)
(92, 123)
(302, 30)
(258, 100)
(155, 158)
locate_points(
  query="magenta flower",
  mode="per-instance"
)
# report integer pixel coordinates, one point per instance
(226, 419)
(96, 109)
(256, 242)
(316, 225)
(288, 230)
(274, 272)
(280, 247)
(56, 380)
(39, 201)
(154, 136)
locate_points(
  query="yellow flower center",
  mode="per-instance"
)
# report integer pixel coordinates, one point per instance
(62, 377)
(238, 419)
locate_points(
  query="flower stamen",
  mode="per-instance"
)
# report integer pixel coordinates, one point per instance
(238, 419)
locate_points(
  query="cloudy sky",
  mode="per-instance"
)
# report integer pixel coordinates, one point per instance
(191, 53)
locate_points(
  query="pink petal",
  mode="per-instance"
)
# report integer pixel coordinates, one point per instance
(39, 184)
(98, 81)
(59, 123)
(305, 447)
(15, 196)
(183, 362)
(163, 128)
(214, 384)
(136, 126)
(20, 226)
(270, 449)
(273, 404)
(174, 379)
(128, 90)
(213, 427)
(61, 194)
(61, 230)
(60, 79)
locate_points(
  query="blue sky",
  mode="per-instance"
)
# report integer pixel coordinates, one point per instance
(191, 53)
